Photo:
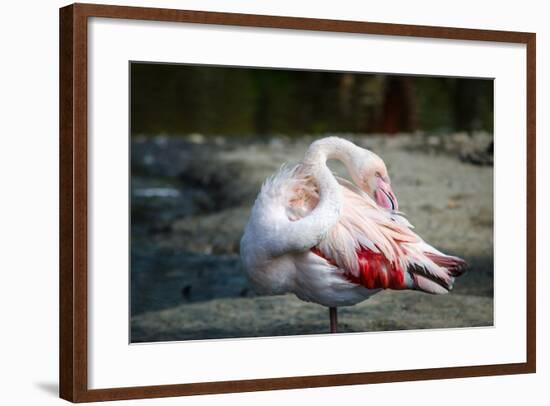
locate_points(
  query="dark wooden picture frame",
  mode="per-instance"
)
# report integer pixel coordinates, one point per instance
(74, 201)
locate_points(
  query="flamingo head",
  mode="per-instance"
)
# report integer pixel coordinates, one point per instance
(369, 172)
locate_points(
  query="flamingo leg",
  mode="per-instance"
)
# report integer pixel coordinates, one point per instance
(333, 314)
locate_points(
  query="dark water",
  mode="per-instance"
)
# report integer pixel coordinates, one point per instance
(167, 186)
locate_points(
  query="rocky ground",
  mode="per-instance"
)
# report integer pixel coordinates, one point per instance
(191, 198)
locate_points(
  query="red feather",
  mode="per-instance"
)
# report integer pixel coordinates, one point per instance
(375, 270)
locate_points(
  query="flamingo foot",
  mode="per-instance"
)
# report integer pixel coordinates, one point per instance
(333, 314)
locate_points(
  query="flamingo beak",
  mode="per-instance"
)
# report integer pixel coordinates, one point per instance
(384, 195)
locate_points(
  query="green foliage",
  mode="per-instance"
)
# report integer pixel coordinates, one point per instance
(183, 99)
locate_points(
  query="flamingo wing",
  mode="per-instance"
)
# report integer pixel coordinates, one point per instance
(378, 249)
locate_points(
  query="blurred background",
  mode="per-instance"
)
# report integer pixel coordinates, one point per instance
(204, 138)
(180, 99)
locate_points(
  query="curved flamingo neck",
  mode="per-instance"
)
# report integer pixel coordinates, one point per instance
(325, 149)
(308, 232)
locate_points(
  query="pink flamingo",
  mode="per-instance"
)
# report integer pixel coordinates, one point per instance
(336, 243)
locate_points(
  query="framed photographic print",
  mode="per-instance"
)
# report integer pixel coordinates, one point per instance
(255, 202)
